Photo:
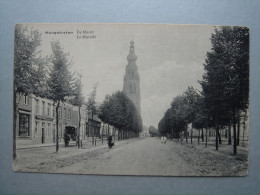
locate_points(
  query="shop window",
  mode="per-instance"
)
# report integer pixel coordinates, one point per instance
(24, 125)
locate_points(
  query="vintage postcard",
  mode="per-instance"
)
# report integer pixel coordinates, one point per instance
(131, 99)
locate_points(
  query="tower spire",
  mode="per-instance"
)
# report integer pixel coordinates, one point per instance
(131, 79)
(131, 56)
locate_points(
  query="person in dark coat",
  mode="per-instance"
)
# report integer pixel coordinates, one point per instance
(110, 141)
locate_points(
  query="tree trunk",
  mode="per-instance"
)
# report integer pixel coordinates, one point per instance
(186, 134)
(15, 111)
(244, 131)
(219, 137)
(114, 134)
(207, 136)
(234, 133)
(102, 133)
(57, 126)
(93, 130)
(79, 127)
(199, 138)
(238, 127)
(202, 135)
(229, 135)
(191, 136)
(217, 129)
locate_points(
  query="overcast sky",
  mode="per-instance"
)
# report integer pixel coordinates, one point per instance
(169, 58)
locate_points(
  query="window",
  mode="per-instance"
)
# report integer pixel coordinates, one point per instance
(24, 124)
(26, 100)
(49, 110)
(37, 106)
(59, 112)
(65, 113)
(60, 131)
(43, 108)
(53, 132)
(49, 129)
(43, 130)
(53, 112)
(131, 89)
(36, 129)
(69, 114)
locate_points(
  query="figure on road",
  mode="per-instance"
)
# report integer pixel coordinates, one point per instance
(110, 141)
(164, 139)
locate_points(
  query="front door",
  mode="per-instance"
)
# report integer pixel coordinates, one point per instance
(43, 133)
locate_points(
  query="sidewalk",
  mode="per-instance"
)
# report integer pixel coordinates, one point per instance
(27, 144)
(223, 149)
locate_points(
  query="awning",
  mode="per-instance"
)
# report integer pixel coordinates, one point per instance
(24, 112)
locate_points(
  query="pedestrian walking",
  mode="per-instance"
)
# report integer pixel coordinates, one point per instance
(164, 139)
(110, 141)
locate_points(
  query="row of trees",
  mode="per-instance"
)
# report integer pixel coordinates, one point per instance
(225, 89)
(48, 77)
(119, 111)
(184, 109)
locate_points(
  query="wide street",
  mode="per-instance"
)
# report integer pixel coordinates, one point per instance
(138, 156)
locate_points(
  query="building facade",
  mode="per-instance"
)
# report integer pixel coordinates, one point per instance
(36, 119)
(83, 121)
(131, 85)
(43, 120)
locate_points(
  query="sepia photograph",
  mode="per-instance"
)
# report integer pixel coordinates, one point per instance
(131, 99)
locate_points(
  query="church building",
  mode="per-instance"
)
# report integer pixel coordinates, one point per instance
(132, 79)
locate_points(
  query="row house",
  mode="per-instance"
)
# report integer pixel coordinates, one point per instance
(83, 121)
(65, 118)
(36, 121)
(107, 129)
(93, 126)
(44, 119)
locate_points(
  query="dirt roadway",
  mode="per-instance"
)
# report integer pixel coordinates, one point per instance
(136, 157)
(142, 157)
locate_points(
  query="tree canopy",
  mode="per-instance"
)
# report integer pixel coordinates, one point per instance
(119, 111)
(29, 66)
(61, 80)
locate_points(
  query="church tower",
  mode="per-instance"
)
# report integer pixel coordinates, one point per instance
(131, 79)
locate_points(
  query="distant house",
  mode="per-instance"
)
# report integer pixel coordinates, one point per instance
(93, 126)
(83, 121)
